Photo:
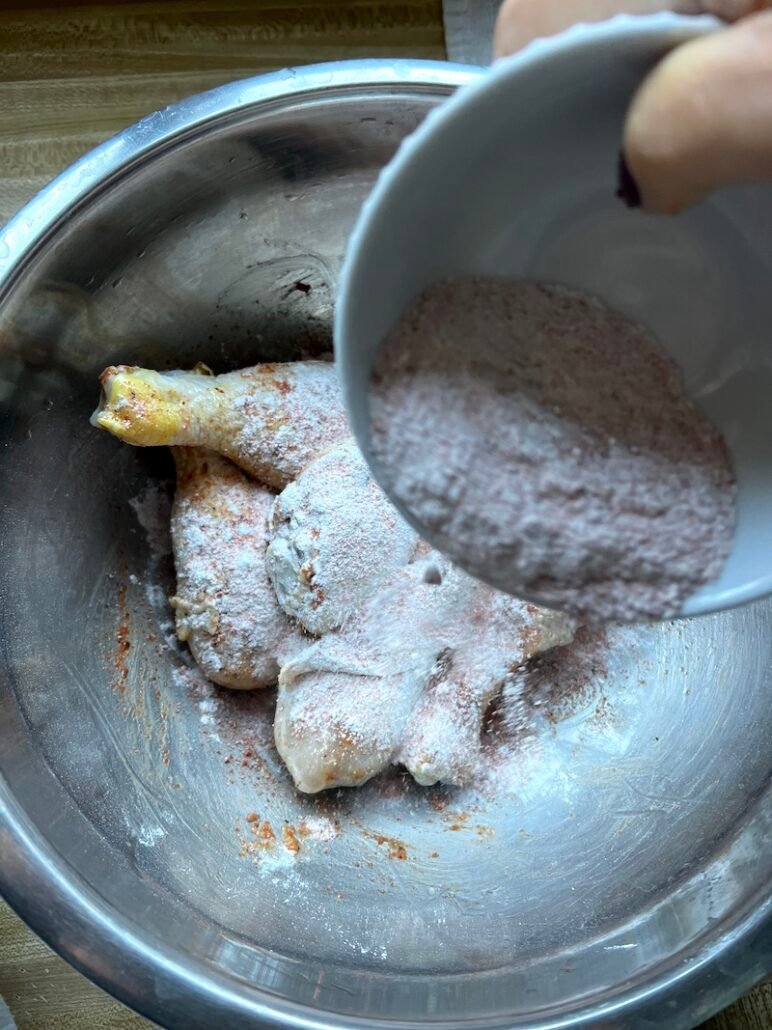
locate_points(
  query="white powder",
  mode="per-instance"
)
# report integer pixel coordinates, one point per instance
(319, 827)
(192, 681)
(148, 836)
(152, 508)
(546, 444)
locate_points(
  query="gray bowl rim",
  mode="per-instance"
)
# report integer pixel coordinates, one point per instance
(51, 896)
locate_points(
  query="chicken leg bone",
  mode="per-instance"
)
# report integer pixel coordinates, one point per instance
(270, 420)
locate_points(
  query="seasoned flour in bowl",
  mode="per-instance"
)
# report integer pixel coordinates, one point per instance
(546, 444)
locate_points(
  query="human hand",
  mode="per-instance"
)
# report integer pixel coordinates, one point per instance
(702, 119)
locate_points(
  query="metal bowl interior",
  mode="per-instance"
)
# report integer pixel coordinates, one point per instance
(622, 877)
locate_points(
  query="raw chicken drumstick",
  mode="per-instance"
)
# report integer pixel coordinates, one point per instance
(335, 538)
(226, 608)
(336, 726)
(407, 679)
(344, 702)
(270, 420)
(494, 637)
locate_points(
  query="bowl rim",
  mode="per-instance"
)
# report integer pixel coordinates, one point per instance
(55, 900)
(30, 227)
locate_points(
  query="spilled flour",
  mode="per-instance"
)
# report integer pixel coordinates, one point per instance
(546, 443)
(152, 508)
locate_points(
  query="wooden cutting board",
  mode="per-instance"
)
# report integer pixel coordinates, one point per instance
(72, 74)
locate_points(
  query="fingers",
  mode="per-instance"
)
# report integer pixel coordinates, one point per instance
(521, 21)
(733, 10)
(703, 118)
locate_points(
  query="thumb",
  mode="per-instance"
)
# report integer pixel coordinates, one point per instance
(521, 21)
(703, 118)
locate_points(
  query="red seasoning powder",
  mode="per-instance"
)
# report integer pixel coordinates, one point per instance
(546, 443)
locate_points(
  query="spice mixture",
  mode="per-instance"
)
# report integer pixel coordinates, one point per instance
(547, 445)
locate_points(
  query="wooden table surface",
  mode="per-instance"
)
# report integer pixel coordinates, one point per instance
(72, 74)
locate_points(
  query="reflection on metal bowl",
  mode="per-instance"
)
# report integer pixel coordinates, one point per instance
(618, 875)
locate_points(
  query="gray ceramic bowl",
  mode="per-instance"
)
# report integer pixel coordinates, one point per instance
(622, 879)
(532, 149)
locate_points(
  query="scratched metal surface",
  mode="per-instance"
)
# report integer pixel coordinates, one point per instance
(638, 821)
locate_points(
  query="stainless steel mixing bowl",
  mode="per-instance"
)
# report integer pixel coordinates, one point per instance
(621, 878)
